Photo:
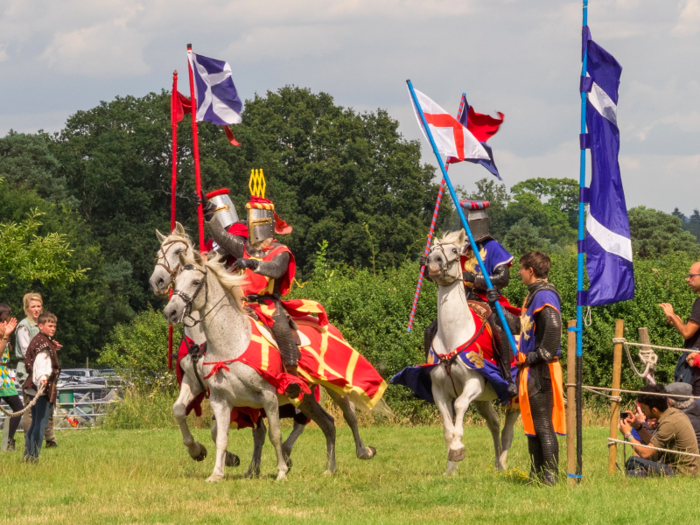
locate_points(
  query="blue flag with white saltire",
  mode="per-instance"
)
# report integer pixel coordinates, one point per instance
(608, 244)
(217, 98)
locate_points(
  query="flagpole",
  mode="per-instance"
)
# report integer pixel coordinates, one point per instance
(173, 195)
(198, 181)
(579, 273)
(432, 229)
(462, 218)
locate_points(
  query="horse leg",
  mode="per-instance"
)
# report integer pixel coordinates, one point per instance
(231, 459)
(473, 387)
(289, 442)
(271, 407)
(485, 408)
(507, 435)
(311, 409)
(362, 451)
(188, 391)
(222, 411)
(258, 442)
(444, 405)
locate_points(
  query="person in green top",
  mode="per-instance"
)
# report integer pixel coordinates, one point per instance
(8, 392)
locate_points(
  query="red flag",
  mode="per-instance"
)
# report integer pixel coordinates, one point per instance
(483, 127)
(230, 137)
(180, 106)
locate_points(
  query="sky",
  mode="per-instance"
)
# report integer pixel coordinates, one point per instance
(519, 57)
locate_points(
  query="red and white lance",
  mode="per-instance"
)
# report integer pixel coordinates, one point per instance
(431, 231)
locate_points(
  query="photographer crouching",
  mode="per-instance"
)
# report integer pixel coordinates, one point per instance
(673, 432)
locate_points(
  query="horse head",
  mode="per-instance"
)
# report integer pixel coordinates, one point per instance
(443, 259)
(167, 259)
(195, 277)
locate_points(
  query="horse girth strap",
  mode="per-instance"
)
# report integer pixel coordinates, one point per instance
(196, 352)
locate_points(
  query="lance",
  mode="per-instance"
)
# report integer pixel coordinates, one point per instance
(173, 195)
(432, 230)
(195, 150)
(462, 218)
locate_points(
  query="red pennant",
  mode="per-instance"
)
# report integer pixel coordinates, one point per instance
(230, 137)
(180, 106)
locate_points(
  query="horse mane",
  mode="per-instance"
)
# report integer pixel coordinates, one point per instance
(452, 238)
(230, 282)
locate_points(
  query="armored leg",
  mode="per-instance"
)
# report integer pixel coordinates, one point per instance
(428, 336)
(544, 447)
(287, 346)
(503, 353)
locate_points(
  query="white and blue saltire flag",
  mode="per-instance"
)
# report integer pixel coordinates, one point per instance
(217, 98)
(608, 245)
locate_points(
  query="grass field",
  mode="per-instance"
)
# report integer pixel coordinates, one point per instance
(99, 476)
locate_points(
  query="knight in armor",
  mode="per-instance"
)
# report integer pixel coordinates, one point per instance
(539, 376)
(268, 265)
(497, 261)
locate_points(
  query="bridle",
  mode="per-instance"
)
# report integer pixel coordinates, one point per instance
(439, 246)
(187, 310)
(165, 248)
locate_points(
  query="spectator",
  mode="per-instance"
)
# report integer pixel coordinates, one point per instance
(26, 330)
(685, 404)
(8, 392)
(690, 333)
(674, 432)
(42, 365)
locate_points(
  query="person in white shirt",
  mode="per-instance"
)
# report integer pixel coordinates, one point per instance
(44, 370)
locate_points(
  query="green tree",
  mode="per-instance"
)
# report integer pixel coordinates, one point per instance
(26, 160)
(657, 233)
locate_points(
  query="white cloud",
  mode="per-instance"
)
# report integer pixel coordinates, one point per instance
(689, 19)
(110, 49)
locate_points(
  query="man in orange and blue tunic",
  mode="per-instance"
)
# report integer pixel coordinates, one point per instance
(540, 386)
(269, 267)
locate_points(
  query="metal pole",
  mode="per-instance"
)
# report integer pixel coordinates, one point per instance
(432, 230)
(462, 218)
(579, 273)
(571, 404)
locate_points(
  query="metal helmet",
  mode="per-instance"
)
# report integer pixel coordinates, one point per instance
(225, 213)
(477, 218)
(261, 222)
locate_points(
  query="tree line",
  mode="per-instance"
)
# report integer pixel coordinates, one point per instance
(102, 186)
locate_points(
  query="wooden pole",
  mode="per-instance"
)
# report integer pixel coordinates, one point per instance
(644, 339)
(571, 403)
(615, 411)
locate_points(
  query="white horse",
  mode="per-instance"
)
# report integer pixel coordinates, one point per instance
(456, 388)
(167, 266)
(207, 288)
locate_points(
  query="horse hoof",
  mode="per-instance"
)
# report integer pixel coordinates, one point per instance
(290, 463)
(251, 474)
(281, 476)
(327, 472)
(370, 452)
(202, 453)
(214, 478)
(451, 468)
(232, 460)
(456, 455)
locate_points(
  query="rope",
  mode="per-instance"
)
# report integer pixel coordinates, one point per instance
(28, 407)
(646, 355)
(617, 398)
(622, 340)
(613, 440)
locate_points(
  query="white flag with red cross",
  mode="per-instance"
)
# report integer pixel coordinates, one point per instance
(451, 137)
